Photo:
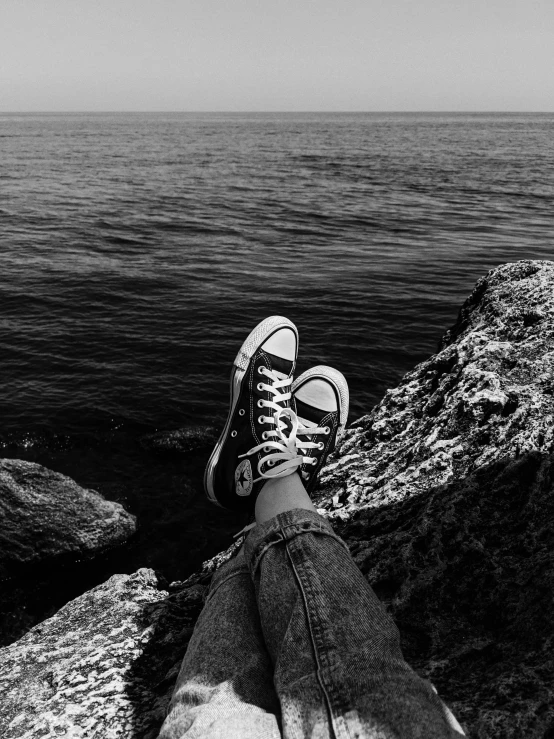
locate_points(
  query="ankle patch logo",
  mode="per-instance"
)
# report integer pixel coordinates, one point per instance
(243, 478)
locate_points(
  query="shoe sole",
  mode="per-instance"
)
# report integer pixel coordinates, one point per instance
(338, 381)
(250, 346)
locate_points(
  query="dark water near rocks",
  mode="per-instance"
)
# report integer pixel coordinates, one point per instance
(137, 250)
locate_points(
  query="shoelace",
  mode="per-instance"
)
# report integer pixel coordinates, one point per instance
(293, 462)
(244, 530)
(279, 448)
(278, 381)
(286, 452)
(310, 431)
(286, 447)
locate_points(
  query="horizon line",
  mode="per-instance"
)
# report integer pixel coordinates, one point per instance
(278, 112)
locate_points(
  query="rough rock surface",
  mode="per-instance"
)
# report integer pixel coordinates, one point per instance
(444, 493)
(45, 516)
(103, 666)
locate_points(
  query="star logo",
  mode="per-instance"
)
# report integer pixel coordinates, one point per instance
(243, 478)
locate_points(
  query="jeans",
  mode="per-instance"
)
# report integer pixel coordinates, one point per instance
(293, 643)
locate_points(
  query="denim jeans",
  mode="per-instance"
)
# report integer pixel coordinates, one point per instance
(293, 643)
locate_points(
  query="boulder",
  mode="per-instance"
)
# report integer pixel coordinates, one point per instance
(45, 518)
(103, 666)
(444, 493)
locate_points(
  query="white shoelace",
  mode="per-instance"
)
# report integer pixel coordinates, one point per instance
(310, 431)
(286, 447)
(279, 449)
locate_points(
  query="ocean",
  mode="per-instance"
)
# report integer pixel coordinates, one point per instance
(138, 250)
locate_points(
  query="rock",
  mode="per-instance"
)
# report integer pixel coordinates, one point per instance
(444, 493)
(104, 666)
(180, 441)
(487, 396)
(46, 517)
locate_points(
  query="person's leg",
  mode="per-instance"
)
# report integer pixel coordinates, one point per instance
(339, 670)
(225, 686)
(337, 661)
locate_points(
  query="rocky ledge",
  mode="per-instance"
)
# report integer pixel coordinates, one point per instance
(46, 518)
(444, 493)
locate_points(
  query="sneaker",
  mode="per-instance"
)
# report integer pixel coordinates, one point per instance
(320, 397)
(256, 443)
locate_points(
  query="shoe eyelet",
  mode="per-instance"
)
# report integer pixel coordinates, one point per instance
(242, 412)
(261, 403)
(327, 430)
(261, 419)
(321, 446)
(270, 462)
(233, 434)
(314, 461)
(261, 370)
(267, 449)
(260, 387)
(264, 436)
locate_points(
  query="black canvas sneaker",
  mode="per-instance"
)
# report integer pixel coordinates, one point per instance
(257, 442)
(320, 398)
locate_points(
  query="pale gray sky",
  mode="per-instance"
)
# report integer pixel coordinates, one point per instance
(249, 55)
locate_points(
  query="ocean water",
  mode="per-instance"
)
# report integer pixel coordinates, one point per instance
(138, 250)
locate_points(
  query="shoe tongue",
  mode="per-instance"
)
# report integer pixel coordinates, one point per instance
(283, 367)
(288, 425)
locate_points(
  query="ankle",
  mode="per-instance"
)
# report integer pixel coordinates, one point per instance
(282, 494)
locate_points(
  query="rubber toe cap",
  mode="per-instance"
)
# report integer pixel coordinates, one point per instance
(318, 394)
(282, 344)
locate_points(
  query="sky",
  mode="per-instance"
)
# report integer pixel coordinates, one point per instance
(268, 55)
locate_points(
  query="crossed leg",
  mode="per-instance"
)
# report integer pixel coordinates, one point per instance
(225, 687)
(293, 642)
